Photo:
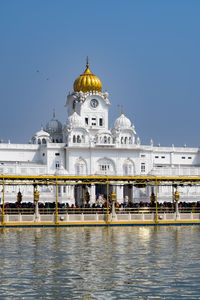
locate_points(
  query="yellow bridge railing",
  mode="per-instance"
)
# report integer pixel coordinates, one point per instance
(140, 210)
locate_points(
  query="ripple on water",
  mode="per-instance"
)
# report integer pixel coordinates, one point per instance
(100, 263)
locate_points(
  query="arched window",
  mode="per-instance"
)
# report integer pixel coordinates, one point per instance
(100, 121)
(125, 140)
(39, 141)
(86, 120)
(106, 166)
(122, 140)
(105, 139)
(128, 168)
(44, 141)
(80, 167)
(78, 139)
(130, 140)
(74, 139)
(109, 140)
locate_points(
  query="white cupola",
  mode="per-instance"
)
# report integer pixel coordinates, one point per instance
(122, 122)
(41, 137)
(54, 128)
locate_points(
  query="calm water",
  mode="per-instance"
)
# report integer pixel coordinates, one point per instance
(100, 263)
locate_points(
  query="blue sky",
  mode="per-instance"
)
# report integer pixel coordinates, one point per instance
(146, 54)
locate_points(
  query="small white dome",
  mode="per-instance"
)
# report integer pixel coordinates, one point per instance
(75, 121)
(54, 126)
(41, 137)
(122, 122)
(42, 133)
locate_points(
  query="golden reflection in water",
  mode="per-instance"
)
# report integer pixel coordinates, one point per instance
(3, 231)
(144, 234)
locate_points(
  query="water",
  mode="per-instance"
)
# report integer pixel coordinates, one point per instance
(100, 263)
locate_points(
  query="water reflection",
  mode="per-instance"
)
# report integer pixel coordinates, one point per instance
(100, 263)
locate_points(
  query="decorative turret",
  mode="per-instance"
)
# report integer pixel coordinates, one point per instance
(122, 122)
(41, 137)
(123, 131)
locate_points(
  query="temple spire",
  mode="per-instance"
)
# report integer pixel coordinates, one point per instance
(87, 63)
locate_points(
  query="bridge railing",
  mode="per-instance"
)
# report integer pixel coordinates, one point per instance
(123, 210)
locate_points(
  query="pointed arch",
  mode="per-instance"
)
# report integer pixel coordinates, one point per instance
(128, 167)
(80, 167)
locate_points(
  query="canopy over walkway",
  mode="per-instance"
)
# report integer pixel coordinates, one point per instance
(147, 180)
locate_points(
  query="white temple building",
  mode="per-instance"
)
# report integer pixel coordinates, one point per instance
(85, 145)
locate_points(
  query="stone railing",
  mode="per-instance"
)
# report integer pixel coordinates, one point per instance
(99, 218)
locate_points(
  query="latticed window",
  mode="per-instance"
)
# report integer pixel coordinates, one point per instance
(94, 121)
(142, 167)
(104, 168)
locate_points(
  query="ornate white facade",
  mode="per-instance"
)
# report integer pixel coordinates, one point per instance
(85, 145)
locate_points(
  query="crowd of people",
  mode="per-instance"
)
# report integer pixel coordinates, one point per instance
(49, 207)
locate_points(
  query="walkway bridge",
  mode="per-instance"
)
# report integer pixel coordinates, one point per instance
(110, 215)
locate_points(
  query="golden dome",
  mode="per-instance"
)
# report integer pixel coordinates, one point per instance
(87, 82)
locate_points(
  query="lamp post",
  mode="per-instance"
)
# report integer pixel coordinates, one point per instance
(56, 201)
(3, 211)
(176, 198)
(36, 200)
(156, 198)
(108, 208)
(113, 199)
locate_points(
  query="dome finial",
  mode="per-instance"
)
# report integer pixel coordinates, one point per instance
(122, 111)
(54, 114)
(87, 63)
(74, 106)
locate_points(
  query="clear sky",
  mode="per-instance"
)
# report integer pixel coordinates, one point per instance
(146, 54)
